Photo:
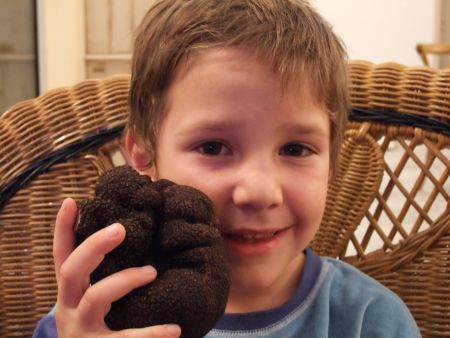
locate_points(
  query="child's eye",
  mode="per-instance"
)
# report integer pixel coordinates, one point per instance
(295, 149)
(213, 148)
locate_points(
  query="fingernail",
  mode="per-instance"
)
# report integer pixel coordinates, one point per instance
(149, 270)
(112, 230)
(173, 329)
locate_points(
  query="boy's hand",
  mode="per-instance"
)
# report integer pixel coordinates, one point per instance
(81, 308)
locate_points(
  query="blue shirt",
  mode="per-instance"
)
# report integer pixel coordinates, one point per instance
(334, 299)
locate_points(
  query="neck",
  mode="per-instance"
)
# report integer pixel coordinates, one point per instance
(268, 297)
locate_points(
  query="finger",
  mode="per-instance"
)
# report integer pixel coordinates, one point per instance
(75, 271)
(64, 238)
(157, 331)
(97, 299)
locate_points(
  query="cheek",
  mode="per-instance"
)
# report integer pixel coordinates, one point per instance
(216, 189)
(207, 182)
(307, 199)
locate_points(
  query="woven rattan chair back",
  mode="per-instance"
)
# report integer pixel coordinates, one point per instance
(57, 145)
(69, 131)
(388, 212)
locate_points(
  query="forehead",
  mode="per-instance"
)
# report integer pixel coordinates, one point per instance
(219, 89)
(240, 65)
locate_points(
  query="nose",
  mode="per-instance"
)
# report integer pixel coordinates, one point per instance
(258, 187)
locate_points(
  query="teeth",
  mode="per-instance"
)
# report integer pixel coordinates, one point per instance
(259, 236)
(252, 238)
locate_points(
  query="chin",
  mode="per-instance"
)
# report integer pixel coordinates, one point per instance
(252, 280)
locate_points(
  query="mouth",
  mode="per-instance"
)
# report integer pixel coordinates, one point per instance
(251, 238)
(253, 242)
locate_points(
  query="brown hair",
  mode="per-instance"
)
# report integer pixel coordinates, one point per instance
(287, 33)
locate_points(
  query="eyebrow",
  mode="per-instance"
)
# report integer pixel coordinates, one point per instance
(220, 126)
(305, 129)
(212, 126)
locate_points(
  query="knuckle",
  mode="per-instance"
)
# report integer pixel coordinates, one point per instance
(90, 298)
(65, 274)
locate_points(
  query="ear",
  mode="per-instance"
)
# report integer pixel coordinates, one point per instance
(138, 157)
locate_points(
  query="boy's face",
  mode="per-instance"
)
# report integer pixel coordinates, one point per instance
(263, 159)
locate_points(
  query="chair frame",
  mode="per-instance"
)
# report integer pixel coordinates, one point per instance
(55, 146)
(426, 49)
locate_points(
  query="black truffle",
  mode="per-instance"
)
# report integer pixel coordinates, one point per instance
(171, 227)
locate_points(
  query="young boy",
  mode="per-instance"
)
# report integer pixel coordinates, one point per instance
(245, 100)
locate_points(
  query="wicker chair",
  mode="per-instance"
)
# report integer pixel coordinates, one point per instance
(57, 145)
(427, 49)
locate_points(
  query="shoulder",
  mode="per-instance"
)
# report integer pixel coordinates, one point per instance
(348, 284)
(348, 279)
(356, 296)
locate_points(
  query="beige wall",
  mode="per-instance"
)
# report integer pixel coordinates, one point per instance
(110, 30)
(17, 54)
(374, 30)
(62, 42)
(384, 30)
(444, 31)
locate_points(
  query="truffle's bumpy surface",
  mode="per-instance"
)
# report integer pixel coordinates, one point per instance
(171, 227)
